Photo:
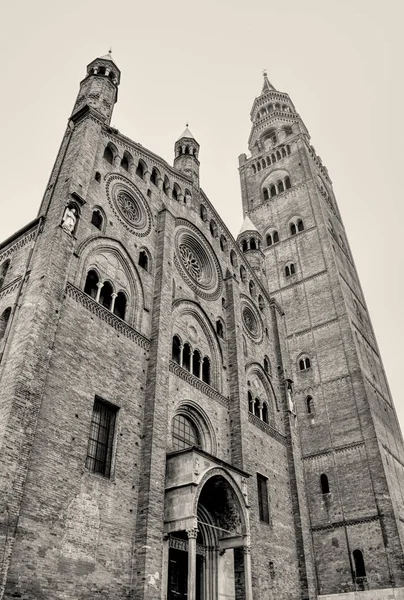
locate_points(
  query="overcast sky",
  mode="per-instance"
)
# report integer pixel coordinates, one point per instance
(202, 62)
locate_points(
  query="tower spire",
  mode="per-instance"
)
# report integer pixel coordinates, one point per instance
(267, 86)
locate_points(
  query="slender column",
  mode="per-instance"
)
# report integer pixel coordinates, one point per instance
(247, 573)
(99, 286)
(113, 302)
(164, 574)
(192, 535)
(181, 354)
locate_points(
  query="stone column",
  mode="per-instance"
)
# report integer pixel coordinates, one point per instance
(164, 574)
(192, 535)
(247, 573)
(99, 286)
(114, 296)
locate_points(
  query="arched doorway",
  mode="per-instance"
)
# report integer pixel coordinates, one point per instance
(211, 561)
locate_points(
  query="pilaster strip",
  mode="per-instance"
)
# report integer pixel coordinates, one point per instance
(346, 523)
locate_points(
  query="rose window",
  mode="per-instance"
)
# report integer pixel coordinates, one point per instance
(252, 320)
(128, 208)
(129, 205)
(190, 262)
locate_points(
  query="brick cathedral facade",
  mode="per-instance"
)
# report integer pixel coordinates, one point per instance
(185, 414)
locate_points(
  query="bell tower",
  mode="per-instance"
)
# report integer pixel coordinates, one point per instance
(352, 446)
(187, 156)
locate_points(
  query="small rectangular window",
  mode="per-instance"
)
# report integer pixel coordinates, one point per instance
(263, 504)
(101, 440)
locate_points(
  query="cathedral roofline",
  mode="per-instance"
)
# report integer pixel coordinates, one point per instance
(19, 233)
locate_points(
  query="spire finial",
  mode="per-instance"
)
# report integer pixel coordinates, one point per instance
(265, 73)
(110, 50)
(186, 124)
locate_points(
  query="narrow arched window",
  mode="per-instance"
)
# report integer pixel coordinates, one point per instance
(213, 228)
(261, 303)
(254, 169)
(266, 194)
(120, 305)
(309, 405)
(325, 486)
(304, 363)
(272, 189)
(292, 269)
(244, 245)
(360, 570)
(265, 412)
(253, 244)
(206, 370)
(269, 240)
(293, 229)
(97, 219)
(186, 356)
(219, 328)
(278, 155)
(267, 365)
(300, 225)
(250, 402)
(196, 364)
(251, 286)
(106, 295)
(140, 169)
(97, 176)
(109, 155)
(166, 185)
(154, 176)
(125, 163)
(91, 287)
(288, 149)
(4, 321)
(176, 192)
(275, 237)
(223, 243)
(243, 273)
(3, 271)
(233, 258)
(184, 433)
(280, 186)
(257, 409)
(283, 152)
(287, 271)
(176, 349)
(288, 185)
(203, 213)
(144, 260)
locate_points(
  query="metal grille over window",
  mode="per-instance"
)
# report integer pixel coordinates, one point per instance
(184, 432)
(263, 503)
(100, 443)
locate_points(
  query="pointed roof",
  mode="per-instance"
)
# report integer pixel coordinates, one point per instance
(108, 57)
(267, 86)
(186, 134)
(247, 225)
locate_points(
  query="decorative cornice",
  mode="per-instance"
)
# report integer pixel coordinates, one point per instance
(18, 244)
(197, 383)
(314, 328)
(107, 316)
(279, 437)
(299, 282)
(321, 384)
(345, 448)
(346, 523)
(6, 290)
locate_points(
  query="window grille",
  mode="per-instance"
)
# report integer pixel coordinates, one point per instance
(184, 433)
(100, 443)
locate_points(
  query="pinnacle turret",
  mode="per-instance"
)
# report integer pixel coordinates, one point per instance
(186, 155)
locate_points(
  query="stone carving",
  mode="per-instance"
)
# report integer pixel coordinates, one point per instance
(129, 205)
(190, 262)
(128, 208)
(69, 219)
(244, 489)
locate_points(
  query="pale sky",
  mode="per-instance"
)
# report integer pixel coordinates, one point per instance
(340, 61)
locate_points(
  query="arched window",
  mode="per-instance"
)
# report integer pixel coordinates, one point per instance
(278, 155)
(288, 185)
(275, 237)
(266, 194)
(154, 176)
(140, 169)
(267, 365)
(300, 225)
(219, 328)
(254, 169)
(186, 356)
(233, 258)
(325, 486)
(265, 412)
(257, 410)
(176, 350)
(176, 191)
(91, 287)
(144, 260)
(206, 370)
(360, 570)
(125, 162)
(250, 402)
(120, 305)
(3, 271)
(243, 273)
(213, 228)
(97, 219)
(97, 176)
(259, 166)
(251, 287)
(280, 186)
(109, 155)
(283, 152)
(293, 229)
(184, 433)
(304, 363)
(253, 244)
(288, 149)
(196, 364)
(261, 303)
(309, 405)
(290, 269)
(244, 245)
(223, 243)
(3, 321)
(272, 190)
(203, 213)
(106, 295)
(166, 185)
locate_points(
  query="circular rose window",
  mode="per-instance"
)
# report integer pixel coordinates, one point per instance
(251, 320)
(129, 205)
(197, 262)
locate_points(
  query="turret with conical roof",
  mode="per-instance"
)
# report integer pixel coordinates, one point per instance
(250, 240)
(187, 155)
(99, 89)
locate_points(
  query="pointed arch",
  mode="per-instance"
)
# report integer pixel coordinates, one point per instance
(254, 368)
